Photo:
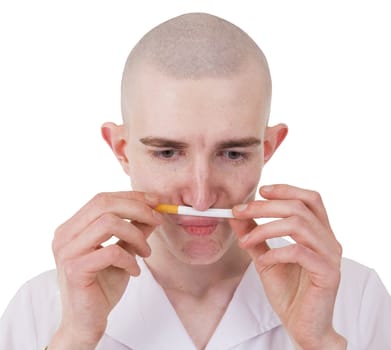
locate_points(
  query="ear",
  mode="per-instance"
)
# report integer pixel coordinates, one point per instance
(274, 135)
(115, 137)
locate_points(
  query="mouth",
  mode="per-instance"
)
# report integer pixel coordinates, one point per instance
(198, 226)
(200, 230)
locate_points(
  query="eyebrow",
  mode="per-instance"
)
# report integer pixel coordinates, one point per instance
(163, 142)
(168, 143)
(243, 142)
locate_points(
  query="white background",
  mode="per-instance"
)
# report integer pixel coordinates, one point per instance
(60, 70)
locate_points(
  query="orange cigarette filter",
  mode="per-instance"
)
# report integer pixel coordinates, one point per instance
(185, 210)
(167, 208)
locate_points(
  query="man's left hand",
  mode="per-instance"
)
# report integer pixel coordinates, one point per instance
(301, 280)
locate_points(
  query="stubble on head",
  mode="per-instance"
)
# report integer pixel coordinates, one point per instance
(194, 46)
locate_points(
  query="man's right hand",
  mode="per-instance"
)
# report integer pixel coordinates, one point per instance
(92, 278)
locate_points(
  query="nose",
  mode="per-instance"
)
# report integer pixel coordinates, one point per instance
(201, 189)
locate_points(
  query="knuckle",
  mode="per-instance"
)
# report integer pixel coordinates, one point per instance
(107, 220)
(145, 209)
(299, 206)
(339, 248)
(298, 221)
(315, 197)
(296, 250)
(114, 252)
(61, 256)
(100, 195)
(70, 270)
(55, 246)
(101, 200)
(58, 255)
(58, 234)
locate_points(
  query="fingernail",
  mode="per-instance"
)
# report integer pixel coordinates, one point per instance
(241, 207)
(267, 188)
(150, 197)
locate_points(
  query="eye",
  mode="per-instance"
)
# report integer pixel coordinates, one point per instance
(166, 153)
(233, 155)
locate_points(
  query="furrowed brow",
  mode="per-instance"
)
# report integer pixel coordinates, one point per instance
(245, 142)
(163, 142)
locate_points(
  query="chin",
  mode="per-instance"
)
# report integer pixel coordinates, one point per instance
(196, 248)
(202, 252)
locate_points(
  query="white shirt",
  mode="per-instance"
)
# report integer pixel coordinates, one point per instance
(144, 319)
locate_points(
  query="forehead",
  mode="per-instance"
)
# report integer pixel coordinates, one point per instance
(159, 105)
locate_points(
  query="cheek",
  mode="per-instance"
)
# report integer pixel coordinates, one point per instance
(246, 186)
(151, 177)
(246, 180)
(142, 177)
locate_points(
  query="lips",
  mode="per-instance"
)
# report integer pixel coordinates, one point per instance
(198, 226)
(200, 230)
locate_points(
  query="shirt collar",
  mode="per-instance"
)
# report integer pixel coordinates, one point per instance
(248, 315)
(145, 319)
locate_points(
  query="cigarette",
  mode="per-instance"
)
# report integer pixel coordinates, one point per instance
(184, 210)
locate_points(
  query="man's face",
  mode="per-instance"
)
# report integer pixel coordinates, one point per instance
(197, 143)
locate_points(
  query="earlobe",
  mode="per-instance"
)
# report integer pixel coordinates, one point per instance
(115, 137)
(273, 138)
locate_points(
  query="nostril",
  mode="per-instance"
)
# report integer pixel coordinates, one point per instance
(199, 192)
(201, 207)
(199, 204)
(203, 201)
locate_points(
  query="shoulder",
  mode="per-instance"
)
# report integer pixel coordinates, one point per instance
(38, 298)
(44, 297)
(37, 291)
(353, 271)
(359, 279)
(43, 285)
(363, 307)
(359, 286)
(36, 309)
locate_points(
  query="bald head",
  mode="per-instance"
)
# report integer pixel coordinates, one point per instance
(195, 46)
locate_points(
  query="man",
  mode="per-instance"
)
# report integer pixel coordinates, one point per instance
(196, 94)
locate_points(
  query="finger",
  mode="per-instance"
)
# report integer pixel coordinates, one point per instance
(128, 205)
(136, 206)
(272, 209)
(104, 228)
(284, 208)
(83, 270)
(145, 229)
(299, 230)
(311, 199)
(243, 227)
(323, 274)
